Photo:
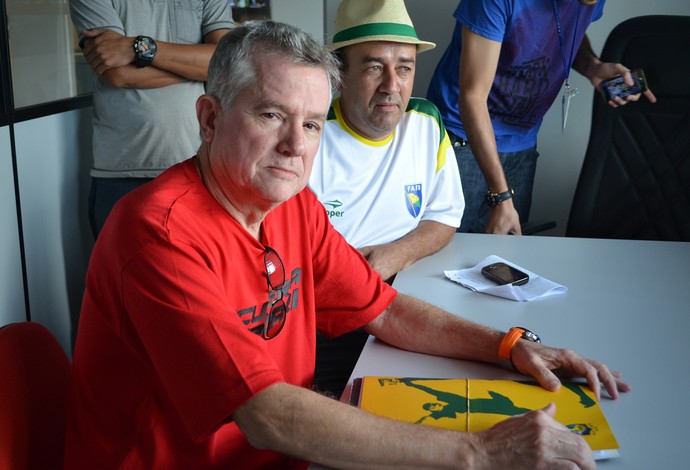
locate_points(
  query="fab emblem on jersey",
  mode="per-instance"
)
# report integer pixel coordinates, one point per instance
(413, 199)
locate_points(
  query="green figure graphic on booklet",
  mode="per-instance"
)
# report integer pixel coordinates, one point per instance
(475, 405)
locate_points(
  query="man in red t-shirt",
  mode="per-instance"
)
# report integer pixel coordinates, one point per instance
(196, 341)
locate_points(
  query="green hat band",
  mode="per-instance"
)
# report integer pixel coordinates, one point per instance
(375, 29)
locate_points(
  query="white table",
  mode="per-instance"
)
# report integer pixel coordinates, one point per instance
(628, 305)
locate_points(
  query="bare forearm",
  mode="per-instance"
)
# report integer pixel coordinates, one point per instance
(131, 76)
(586, 60)
(502, 218)
(111, 56)
(303, 424)
(426, 239)
(478, 64)
(174, 63)
(300, 423)
(480, 134)
(186, 60)
(412, 324)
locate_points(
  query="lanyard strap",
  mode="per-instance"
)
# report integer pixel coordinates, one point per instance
(566, 64)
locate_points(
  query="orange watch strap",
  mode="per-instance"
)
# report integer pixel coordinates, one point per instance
(506, 346)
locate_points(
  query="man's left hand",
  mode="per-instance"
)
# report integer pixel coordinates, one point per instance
(105, 49)
(608, 70)
(546, 364)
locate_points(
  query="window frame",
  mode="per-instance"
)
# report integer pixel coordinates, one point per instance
(5, 81)
(8, 113)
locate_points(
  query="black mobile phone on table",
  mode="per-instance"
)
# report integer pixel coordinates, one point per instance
(617, 87)
(502, 273)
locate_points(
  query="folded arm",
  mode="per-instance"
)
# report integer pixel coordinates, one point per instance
(111, 54)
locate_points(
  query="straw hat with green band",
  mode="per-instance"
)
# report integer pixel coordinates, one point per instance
(375, 20)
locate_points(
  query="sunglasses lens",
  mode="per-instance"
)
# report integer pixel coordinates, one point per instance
(274, 269)
(276, 320)
(275, 273)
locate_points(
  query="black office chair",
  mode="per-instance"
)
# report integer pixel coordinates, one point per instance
(635, 179)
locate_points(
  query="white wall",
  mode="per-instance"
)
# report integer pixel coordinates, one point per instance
(41, 50)
(562, 153)
(53, 160)
(11, 283)
(307, 14)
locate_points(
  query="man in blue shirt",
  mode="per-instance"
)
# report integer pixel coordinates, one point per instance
(513, 57)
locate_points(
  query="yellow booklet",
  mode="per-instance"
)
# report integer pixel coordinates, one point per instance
(475, 405)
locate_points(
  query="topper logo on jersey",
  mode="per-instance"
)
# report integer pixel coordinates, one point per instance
(254, 316)
(413, 199)
(331, 208)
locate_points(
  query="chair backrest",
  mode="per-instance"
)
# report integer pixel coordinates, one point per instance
(34, 379)
(635, 179)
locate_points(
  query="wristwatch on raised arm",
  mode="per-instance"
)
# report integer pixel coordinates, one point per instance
(145, 49)
(505, 348)
(494, 199)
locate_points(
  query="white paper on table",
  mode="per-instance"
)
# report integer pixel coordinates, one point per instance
(536, 288)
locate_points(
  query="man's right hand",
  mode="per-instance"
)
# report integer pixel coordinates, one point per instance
(533, 441)
(503, 220)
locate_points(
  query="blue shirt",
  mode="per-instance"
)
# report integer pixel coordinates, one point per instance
(530, 72)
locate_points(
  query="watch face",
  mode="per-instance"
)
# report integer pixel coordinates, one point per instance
(146, 47)
(529, 336)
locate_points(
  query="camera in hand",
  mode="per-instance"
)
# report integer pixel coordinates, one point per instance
(616, 87)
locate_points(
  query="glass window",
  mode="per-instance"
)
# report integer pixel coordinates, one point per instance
(45, 60)
(4, 65)
(245, 10)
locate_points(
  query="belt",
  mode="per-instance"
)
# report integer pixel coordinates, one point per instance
(456, 141)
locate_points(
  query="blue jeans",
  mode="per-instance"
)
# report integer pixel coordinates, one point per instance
(104, 193)
(519, 168)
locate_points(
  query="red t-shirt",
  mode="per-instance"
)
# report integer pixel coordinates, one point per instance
(164, 353)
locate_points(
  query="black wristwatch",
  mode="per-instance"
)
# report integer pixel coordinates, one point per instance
(145, 49)
(494, 199)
